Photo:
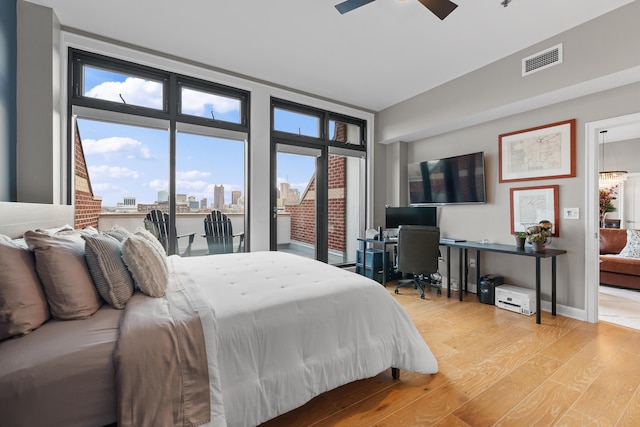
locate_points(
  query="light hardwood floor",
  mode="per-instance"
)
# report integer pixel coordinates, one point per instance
(495, 368)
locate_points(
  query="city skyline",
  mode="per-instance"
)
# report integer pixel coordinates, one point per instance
(133, 161)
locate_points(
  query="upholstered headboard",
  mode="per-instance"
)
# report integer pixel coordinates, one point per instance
(16, 218)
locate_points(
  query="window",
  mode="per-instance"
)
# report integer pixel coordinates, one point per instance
(148, 139)
(319, 182)
(208, 105)
(296, 123)
(121, 88)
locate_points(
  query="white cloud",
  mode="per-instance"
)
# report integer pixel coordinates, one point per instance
(186, 186)
(99, 187)
(201, 103)
(116, 145)
(134, 90)
(159, 184)
(188, 175)
(117, 172)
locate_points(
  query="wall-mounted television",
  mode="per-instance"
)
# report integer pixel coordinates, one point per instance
(451, 180)
(410, 215)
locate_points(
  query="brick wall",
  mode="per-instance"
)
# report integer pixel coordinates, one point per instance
(87, 206)
(303, 214)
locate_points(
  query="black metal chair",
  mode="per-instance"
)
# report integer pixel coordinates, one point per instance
(419, 255)
(157, 223)
(218, 231)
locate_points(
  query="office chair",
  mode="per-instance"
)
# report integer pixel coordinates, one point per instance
(418, 254)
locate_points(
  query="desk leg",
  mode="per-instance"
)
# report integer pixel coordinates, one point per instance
(553, 285)
(448, 271)
(384, 265)
(460, 274)
(478, 273)
(537, 290)
(466, 271)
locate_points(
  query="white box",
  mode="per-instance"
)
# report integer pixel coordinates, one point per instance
(516, 299)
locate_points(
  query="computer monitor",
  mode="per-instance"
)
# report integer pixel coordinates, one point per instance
(410, 215)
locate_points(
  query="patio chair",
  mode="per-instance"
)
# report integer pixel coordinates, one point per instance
(157, 223)
(219, 234)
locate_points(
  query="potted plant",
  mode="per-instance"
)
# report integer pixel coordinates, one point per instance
(537, 241)
(521, 237)
(607, 196)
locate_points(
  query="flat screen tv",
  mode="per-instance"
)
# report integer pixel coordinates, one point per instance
(451, 180)
(410, 215)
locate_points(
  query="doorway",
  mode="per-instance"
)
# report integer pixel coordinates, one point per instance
(592, 274)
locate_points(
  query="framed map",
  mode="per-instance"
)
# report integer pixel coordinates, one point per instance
(543, 152)
(531, 205)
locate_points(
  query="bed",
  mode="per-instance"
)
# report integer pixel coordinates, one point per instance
(236, 340)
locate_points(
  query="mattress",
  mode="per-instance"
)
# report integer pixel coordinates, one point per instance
(61, 362)
(291, 328)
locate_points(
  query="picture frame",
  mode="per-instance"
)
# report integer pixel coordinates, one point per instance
(530, 205)
(543, 152)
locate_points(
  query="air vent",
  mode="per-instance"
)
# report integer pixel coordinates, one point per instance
(540, 61)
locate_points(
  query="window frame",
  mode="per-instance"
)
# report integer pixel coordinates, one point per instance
(101, 109)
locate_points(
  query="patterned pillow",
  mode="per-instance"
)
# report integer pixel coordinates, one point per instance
(632, 248)
(147, 265)
(23, 306)
(110, 275)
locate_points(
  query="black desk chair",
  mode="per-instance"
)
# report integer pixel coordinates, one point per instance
(419, 254)
(157, 223)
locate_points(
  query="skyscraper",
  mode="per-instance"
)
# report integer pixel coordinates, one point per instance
(235, 196)
(218, 197)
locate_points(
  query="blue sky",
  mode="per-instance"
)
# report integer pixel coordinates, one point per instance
(129, 161)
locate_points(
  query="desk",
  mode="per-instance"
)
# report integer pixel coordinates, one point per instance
(505, 249)
(375, 242)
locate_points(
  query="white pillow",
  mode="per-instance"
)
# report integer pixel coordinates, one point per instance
(151, 239)
(111, 277)
(147, 265)
(632, 248)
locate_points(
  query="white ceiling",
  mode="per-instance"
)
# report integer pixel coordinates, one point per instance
(372, 57)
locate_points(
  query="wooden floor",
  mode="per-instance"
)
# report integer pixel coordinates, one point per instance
(495, 368)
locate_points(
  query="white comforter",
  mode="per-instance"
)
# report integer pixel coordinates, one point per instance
(289, 328)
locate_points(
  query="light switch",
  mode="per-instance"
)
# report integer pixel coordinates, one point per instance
(571, 213)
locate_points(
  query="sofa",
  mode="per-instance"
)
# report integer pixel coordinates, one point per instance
(620, 257)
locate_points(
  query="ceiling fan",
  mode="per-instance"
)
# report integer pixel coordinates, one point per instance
(440, 8)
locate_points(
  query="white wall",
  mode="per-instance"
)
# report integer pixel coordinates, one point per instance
(597, 80)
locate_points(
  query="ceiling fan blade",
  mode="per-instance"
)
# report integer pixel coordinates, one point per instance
(349, 5)
(440, 8)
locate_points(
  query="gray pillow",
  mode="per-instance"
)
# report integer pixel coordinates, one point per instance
(64, 274)
(23, 305)
(110, 275)
(120, 233)
(147, 265)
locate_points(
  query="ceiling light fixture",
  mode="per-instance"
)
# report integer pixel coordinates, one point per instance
(609, 179)
(505, 3)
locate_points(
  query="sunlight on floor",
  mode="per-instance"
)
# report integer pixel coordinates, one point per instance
(620, 306)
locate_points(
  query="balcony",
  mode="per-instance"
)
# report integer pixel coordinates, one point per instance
(194, 223)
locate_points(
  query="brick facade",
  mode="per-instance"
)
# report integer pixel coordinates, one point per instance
(87, 206)
(303, 214)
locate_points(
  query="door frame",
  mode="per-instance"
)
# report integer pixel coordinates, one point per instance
(592, 226)
(321, 193)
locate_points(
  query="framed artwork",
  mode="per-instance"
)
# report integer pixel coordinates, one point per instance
(543, 152)
(530, 205)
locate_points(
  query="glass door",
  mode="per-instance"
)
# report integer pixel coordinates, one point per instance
(295, 210)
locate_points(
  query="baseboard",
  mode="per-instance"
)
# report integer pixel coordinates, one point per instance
(563, 310)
